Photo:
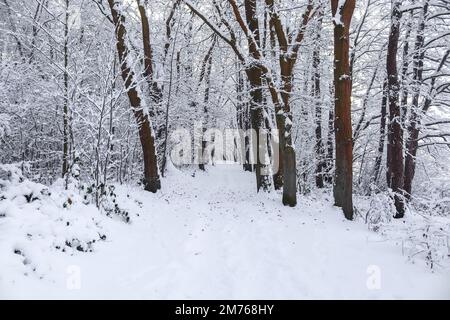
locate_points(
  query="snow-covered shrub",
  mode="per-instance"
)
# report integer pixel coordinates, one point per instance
(110, 205)
(381, 210)
(37, 219)
(423, 233)
(427, 239)
(424, 238)
(105, 198)
(102, 196)
(426, 233)
(433, 197)
(14, 186)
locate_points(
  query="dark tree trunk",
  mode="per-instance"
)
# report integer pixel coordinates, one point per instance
(65, 164)
(330, 148)
(287, 60)
(205, 73)
(343, 124)
(153, 89)
(288, 152)
(151, 177)
(394, 175)
(257, 123)
(382, 138)
(404, 75)
(254, 74)
(243, 122)
(207, 90)
(413, 128)
(320, 156)
(278, 175)
(248, 166)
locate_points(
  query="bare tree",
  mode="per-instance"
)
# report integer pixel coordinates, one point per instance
(151, 177)
(320, 152)
(65, 162)
(288, 57)
(394, 161)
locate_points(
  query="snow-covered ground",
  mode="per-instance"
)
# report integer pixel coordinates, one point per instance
(204, 237)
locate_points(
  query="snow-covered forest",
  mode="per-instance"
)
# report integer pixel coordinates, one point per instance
(225, 149)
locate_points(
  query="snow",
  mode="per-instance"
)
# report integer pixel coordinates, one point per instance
(337, 17)
(204, 236)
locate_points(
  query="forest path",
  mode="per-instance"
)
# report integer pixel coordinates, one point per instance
(211, 236)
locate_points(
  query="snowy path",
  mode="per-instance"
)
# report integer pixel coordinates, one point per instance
(212, 237)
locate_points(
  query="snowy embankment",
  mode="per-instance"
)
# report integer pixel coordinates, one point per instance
(208, 236)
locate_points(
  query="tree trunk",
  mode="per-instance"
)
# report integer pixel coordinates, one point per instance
(155, 91)
(320, 157)
(330, 147)
(205, 73)
(288, 152)
(413, 128)
(243, 121)
(382, 138)
(287, 59)
(278, 175)
(404, 74)
(257, 123)
(394, 175)
(151, 176)
(342, 190)
(65, 164)
(254, 74)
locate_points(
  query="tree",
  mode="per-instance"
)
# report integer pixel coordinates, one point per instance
(418, 109)
(382, 137)
(154, 90)
(342, 15)
(65, 164)
(257, 71)
(320, 152)
(205, 75)
(255, 76)
(394, 161)
(151, 176)
(287, 59)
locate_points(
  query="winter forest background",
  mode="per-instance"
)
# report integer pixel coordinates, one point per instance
(355, 94)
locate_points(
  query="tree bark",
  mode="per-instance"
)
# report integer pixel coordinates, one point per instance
(414, 121)
(254, 74)
(65, 164)
(205, 73)
(155, 91)
(394, 174)
(342, 190)
(404, 74)
(320, 156)
(382, 138)
(151, 177)
(287, 60)
(243, 121)
(330, 148)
